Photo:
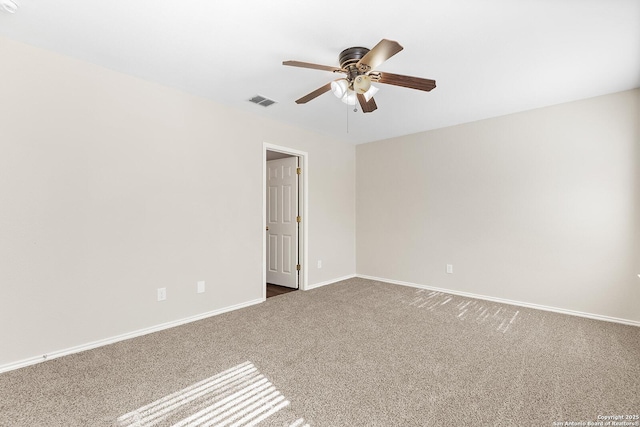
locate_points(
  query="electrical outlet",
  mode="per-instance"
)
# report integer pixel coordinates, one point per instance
(319, 263)
(450, 268)
(200, 286)
(162, 294)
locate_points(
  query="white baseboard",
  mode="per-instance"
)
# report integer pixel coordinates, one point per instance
(328, 282)
(507, 301)
(129, 335)
(88, 346)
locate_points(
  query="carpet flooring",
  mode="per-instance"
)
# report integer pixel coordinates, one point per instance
(354, 353)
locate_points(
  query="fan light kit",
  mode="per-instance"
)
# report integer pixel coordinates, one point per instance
(358, 64)
(9, 6)
(341, 88)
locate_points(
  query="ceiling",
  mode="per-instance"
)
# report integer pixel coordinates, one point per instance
(489, 58)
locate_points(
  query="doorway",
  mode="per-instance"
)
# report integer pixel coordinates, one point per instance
(284, 220)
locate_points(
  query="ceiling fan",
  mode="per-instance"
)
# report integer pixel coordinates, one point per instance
(359, 64)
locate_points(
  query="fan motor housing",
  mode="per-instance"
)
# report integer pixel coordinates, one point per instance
(349, 58)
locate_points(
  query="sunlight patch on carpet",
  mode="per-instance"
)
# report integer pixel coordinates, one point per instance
(240, 396)
(498, 317)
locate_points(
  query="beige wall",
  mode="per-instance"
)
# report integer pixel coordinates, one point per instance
(111, 187)
(541, 207)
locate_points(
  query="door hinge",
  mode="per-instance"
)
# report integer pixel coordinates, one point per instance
(298, 219)
(298, 171)
(298, 267)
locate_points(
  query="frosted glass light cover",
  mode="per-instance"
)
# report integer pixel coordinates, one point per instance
(361, 84)
(349, 98)
(339, 88)
(369, 94)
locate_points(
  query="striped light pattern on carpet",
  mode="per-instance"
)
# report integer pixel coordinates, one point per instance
(239, 396)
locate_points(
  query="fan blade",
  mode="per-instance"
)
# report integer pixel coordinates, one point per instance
(316, 93)
(384, 50)
(313, 66)
(367, 107)
(406, 81)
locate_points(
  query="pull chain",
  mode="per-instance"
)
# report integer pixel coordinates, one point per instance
(347, 117)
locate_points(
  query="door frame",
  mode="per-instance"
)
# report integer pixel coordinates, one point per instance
(303, 202)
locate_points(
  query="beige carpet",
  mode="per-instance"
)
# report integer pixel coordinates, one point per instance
(355, 353)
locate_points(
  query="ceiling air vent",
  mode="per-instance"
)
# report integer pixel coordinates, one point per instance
(261, 100)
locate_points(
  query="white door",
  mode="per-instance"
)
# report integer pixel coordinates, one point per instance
(282, 224)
